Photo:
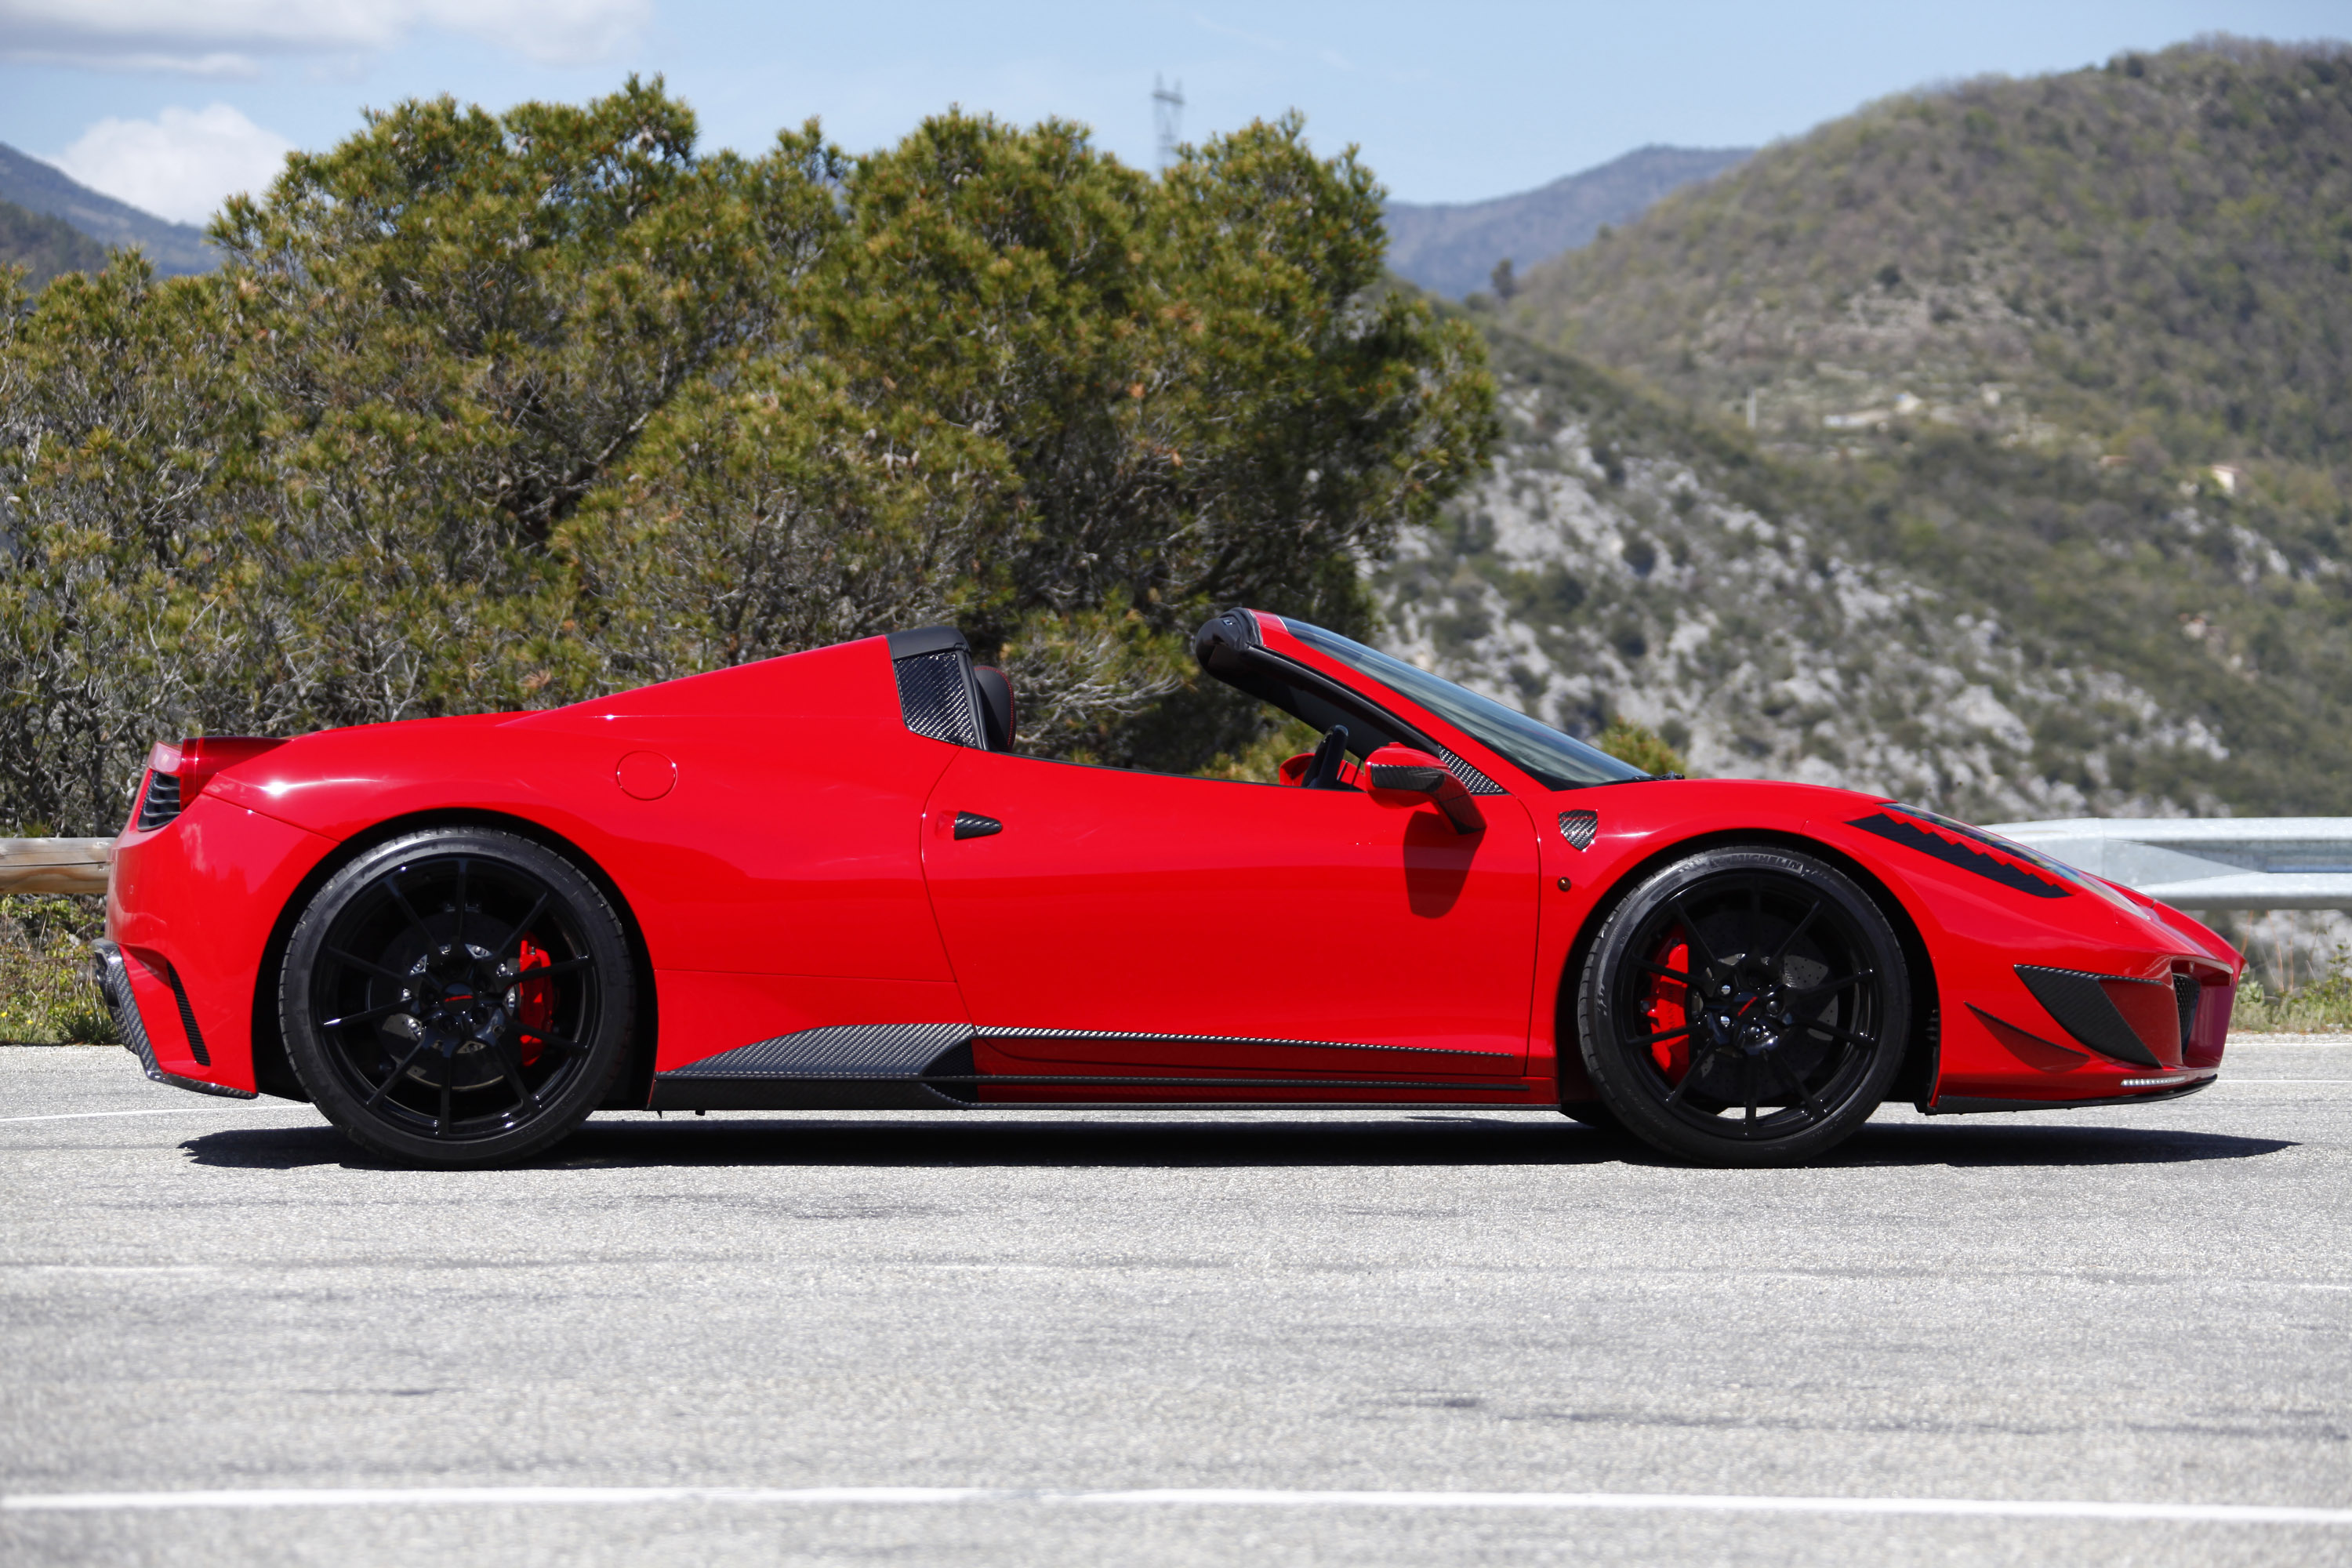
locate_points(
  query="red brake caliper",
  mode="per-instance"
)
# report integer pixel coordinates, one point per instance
(534, 1000)
(1666, 1006)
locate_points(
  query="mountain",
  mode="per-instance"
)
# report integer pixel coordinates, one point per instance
(1626, 558)
(2156, 251)
(1451, 248)
(174, 248)
(2047, 508)
(44, 246)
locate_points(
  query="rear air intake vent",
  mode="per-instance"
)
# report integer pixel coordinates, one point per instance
(161, 804)
(2185, 992)
(187, 1017)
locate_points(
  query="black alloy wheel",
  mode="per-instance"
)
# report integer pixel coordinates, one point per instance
(1747, 1006)
(457, 996)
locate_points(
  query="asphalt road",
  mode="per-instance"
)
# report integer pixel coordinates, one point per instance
(2140, 1307)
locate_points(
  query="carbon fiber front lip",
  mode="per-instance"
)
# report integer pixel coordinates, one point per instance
(114, 984)
(1970, 1105)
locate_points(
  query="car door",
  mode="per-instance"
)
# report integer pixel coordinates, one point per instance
(1121, 922)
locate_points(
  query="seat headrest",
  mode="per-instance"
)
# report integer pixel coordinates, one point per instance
(995, 706)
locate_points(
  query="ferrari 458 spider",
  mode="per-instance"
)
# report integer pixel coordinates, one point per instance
(830, 881)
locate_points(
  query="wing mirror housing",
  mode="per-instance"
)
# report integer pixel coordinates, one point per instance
(1406, 775)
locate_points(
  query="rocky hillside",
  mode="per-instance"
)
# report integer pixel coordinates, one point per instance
(1628, 558)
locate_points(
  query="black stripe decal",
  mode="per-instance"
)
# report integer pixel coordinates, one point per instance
(1953, 852)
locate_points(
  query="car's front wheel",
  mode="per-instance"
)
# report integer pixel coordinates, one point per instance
(457, 996)
(1746, 1006)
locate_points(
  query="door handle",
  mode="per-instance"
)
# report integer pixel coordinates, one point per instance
(972, 825)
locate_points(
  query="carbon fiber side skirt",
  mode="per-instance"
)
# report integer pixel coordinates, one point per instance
(899, 1067)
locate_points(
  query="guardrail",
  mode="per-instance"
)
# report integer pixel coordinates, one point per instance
(54, 865)
(2207, 863)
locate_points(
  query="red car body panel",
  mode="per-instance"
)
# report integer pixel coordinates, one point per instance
(1142, 903)
(786, 847)
(193, 905)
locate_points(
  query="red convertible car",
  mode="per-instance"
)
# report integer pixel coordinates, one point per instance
(829, 880)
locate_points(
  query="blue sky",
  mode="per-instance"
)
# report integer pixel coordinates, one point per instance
(172, 104)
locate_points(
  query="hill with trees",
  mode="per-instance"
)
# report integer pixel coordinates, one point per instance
(2045, 508)
(44, 246)
(1453, 247)
(172, 248)
(1626, 558)
(2157, 251)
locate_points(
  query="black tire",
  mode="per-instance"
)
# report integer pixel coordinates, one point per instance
(457, 996)
(1807, 1003)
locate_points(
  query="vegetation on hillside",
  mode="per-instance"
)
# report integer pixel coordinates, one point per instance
(44, 246)
(494, 411)
(1454, 248)
(42, 187)
(2158, 250)
(1628, 560)
(1999, 337)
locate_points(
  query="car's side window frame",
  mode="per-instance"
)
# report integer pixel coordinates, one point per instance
(939, 698)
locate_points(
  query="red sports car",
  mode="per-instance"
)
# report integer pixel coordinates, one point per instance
(829, 880)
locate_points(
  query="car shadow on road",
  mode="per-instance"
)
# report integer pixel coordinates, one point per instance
(1467, 1140)
(1975, 1143)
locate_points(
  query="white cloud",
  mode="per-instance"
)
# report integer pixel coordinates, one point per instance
(181, 164)
(215, 38)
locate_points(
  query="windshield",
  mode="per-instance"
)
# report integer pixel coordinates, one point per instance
(1557, 760)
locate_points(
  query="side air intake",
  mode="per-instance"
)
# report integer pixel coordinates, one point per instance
(2135, 1021)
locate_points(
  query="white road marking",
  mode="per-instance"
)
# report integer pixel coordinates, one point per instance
(151, 1111)
(1184, 1497)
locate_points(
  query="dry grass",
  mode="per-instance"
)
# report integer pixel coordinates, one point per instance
(46, 996)
(2313, 1009)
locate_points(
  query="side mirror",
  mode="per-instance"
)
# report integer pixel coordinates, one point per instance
(1404, 775)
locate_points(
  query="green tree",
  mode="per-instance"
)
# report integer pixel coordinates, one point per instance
(1071, 408)
(489, 411)
(1642, 746)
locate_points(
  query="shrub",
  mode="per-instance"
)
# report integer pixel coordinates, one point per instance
(46, 996)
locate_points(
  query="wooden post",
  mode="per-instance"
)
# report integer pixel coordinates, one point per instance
(54, 865)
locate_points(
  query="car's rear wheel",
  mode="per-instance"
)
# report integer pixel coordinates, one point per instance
(1746, 1006)
(457, 996)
